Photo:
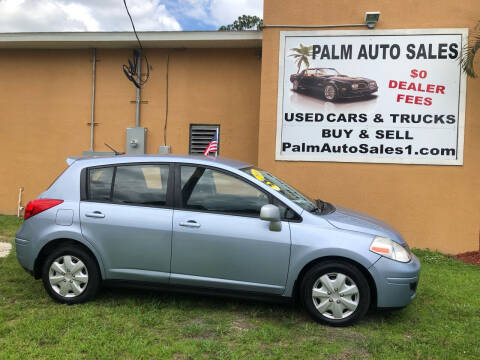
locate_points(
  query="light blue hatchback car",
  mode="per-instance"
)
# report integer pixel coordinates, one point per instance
(211, 225)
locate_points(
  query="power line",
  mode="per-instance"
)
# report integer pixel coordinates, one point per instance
(130, 70)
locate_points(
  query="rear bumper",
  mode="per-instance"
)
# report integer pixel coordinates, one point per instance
(23, 249)
(396, 282)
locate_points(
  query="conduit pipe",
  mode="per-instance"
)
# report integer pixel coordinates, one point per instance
(92, 120)
(19, 204)
(139, 79)
(314, 26)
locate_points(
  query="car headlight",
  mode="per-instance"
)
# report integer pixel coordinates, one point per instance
(354, 86)
(389, 248)
(372, 84)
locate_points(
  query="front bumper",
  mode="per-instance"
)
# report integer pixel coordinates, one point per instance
(396, 282)
(349, 93)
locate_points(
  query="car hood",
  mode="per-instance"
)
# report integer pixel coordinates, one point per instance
(351, 220)
(349, 80)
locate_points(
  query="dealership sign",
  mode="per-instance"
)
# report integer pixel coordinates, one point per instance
(384, 96)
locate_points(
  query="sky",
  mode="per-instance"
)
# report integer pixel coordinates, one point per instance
(110, 15)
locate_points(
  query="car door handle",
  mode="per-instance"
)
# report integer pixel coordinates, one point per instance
(190, 223)
(95, 214)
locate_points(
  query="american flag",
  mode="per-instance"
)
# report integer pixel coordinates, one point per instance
(212, 145)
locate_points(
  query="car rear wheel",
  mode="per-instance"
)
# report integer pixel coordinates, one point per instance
(70, 275)
(335, 293)
(330, 92)
(296, 85)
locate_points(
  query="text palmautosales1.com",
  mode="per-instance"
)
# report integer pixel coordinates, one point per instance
(326, 148)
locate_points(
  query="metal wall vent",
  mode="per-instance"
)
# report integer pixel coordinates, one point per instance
(200, 136)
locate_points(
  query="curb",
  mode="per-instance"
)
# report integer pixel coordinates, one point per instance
(5, 249)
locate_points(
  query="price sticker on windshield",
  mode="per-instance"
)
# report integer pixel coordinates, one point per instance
(258, 175)
(272, 185)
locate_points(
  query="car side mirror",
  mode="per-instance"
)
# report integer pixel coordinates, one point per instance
(271, 213)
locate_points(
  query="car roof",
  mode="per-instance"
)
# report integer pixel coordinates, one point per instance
(88, 161)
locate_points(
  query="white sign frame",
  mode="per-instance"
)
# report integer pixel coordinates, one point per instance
(463, 32)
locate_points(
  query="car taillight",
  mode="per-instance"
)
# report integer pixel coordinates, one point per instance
(36, 206)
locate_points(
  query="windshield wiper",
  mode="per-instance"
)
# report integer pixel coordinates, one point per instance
(323, 207)
(320, 205)
(318, 208)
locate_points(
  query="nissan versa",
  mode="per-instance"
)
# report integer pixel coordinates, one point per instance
(210, 225)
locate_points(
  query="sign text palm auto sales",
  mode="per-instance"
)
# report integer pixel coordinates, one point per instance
(379, 96)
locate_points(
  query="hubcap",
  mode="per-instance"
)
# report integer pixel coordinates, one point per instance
(335, 295)
(68, 276)
(329, 92)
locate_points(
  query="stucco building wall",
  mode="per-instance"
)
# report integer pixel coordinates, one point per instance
(45, 106)
(434, 207)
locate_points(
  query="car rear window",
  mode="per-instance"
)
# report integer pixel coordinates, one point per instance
(100, 183)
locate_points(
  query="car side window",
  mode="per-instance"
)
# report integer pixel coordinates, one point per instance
(209, 190)
(285, 212)
(141, 185)
(100, 183)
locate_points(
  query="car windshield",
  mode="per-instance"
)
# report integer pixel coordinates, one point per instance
(282, 187)
(325, 71)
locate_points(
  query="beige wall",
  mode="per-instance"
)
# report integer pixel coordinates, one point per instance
(45, 108)
(45, 105)
(46, 97)
(433, 206)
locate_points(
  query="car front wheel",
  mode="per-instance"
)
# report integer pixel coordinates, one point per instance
(70, 275)
(335, 293)
(330, 92)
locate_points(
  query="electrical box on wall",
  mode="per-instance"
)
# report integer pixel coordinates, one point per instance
(136, 140)
(164, 149)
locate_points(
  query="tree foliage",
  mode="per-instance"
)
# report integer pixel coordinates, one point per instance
(244, 22)
(468, 55)
(301, 55)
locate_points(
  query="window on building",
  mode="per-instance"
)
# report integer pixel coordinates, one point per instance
(200, 136)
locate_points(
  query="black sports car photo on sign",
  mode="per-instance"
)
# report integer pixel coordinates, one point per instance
(332, 84)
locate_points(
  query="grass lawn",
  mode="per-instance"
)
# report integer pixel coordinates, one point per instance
(442, 323)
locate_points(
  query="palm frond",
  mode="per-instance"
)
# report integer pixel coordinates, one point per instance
(307, 63)
(301, 55)
(467, 57)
